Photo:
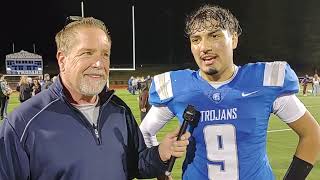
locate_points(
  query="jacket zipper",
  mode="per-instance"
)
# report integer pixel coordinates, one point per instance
(95, 128)
(96, 132)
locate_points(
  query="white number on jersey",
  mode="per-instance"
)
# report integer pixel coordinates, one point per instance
(221, 147)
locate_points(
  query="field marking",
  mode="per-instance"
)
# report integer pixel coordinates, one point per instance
(313, 106)
(279, 130)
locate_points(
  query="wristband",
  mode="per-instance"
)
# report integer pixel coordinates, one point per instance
(298, 170)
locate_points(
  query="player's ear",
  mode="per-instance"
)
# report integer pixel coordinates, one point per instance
(234, 40)
(61, 57)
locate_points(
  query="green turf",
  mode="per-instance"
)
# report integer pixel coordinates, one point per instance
(281, 145)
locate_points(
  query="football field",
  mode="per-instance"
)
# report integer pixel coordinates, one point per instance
(281, 140)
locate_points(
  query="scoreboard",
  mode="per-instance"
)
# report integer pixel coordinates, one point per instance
(24, 63)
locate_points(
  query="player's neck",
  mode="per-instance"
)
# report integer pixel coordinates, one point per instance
(220, 77)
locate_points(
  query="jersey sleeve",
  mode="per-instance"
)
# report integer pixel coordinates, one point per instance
(288, 108)
(280, 75)
(171, 89)
(160, 92)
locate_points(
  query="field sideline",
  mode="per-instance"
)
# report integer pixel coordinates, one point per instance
(281, 140)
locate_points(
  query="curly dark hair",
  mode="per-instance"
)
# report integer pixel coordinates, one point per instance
(209, 17)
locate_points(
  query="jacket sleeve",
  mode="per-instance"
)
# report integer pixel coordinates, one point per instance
(14, 163)
(143, 162)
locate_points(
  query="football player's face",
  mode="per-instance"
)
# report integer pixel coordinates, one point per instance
(213, 52)
(86, 68)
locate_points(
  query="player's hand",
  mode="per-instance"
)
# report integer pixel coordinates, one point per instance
(143, 110)
(171, 147)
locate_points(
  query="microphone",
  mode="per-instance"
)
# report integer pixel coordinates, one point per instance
(190, 116)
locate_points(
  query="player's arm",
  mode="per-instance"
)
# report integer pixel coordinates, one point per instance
(155, 119)
(308, 147)
(291, 110)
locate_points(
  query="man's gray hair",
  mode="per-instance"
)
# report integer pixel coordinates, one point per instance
(65, 38)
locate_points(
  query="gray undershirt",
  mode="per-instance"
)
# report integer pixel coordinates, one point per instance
(90, 111)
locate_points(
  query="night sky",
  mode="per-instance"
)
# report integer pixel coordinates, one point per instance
(272, 30)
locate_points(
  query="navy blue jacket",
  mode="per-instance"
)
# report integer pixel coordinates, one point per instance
(46, 138)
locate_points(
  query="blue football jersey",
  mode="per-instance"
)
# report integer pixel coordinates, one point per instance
(229, 142)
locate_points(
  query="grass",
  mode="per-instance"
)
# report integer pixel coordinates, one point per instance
(280, 145)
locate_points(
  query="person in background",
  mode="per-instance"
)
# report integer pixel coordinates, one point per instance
(4, 96)
(304, 84)
(130, 88)
(316, 85)
(235, 102)
(144, 105)
(77, 130)
(148, 80)
(134, 84)
(24, 89)
(53, 79)
(41, 80)
(47, 82)
(36, 88)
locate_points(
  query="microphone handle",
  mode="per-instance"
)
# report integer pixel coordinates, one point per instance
(172, 160)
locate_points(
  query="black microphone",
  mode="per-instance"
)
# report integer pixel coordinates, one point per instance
(190, 116)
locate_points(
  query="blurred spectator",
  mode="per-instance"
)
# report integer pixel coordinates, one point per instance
(148, 80)
(36, 88)
(130, 88)
(30, 82)
(144, 105)
(316, 86)
(41, 81)
(134, 85)
(140, 84)
(304, 84)
(54, 78)
(4, 96)
(47, 82)
(24, 89)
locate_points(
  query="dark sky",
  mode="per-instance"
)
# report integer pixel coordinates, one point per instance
(272, 30)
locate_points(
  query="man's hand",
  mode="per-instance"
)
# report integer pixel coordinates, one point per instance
(171, 147)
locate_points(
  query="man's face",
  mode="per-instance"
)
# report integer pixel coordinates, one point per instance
(213, 51)
(85, 70)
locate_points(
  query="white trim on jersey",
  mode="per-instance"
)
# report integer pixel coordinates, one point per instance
(216, 85)
(274, 73)
(163, 85)
(156, 118)
(288, 108)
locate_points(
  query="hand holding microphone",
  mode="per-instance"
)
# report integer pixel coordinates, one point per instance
(190, 116)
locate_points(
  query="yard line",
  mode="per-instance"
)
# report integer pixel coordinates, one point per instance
(313, 106)
(279, 130)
